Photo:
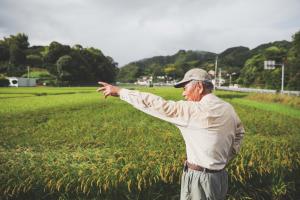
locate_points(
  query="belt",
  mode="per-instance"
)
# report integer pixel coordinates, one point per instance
(198, 168)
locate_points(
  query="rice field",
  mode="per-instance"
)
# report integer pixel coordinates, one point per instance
(71, 143)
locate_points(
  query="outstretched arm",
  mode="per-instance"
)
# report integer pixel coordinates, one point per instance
(175, 112)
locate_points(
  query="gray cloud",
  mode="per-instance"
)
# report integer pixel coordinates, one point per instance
(134, 29)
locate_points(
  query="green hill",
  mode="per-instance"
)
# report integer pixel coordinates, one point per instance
(247, 64)
(178, 64)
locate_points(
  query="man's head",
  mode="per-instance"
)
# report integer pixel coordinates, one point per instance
(196, 84)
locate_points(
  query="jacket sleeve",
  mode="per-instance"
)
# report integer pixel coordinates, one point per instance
(238, 138)
(177, 113)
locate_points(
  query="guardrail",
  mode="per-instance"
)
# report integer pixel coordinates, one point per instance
(290, 93)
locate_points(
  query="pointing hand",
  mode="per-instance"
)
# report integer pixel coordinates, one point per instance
(108, 90)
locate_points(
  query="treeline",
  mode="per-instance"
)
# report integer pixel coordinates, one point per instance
(247, 66)
(66, 65)
(173, 66)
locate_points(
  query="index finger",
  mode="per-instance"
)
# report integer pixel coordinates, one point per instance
(101, 89)
(103, 83)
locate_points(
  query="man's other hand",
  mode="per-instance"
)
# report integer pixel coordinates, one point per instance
(108, 90)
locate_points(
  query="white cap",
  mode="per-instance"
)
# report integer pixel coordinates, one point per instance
(196, 74)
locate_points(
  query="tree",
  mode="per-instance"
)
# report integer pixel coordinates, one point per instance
(16, 55)
(294, 82)
(296, 43)
(250, 72)
(76, 65)
(34, 60)
(77, 47)
(128, 74)
(55, 51)
(20, 40)
(64, 64)
(294, 64)
(4, 51)
(12, 53)
(234, 58)
(275, 53)
(170, 70)
(17, 44)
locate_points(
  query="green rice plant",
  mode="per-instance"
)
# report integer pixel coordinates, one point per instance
(73, 144)
(292, 101)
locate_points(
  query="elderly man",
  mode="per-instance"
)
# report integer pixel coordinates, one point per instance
(210, 127)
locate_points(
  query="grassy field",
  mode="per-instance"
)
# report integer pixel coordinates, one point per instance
(70, 143)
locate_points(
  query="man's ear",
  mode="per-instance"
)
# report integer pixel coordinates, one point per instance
(201, 88)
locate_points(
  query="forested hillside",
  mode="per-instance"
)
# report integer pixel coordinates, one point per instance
(246, 64)
(57, 63)
(174, 66)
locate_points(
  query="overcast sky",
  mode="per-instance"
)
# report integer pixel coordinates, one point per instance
(130, 30)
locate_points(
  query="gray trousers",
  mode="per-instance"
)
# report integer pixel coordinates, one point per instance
(196, 185)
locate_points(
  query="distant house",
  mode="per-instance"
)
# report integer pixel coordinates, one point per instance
(144, 80)
(21, 82)
(218, 82)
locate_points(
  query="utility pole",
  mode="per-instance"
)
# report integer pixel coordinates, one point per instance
(216, 67)
(220, 76)
(28, 72)
(282, 78)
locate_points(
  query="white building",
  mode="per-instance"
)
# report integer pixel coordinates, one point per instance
(144, 80)
(221, 81)
(21, 82)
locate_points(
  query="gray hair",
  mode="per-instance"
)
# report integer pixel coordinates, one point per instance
(207, 84)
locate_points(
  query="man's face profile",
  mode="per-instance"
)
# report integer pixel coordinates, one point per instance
(192, 91)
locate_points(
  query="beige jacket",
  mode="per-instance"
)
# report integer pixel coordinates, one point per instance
(211, 129)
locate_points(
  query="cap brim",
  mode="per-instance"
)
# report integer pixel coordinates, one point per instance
(181, 83)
